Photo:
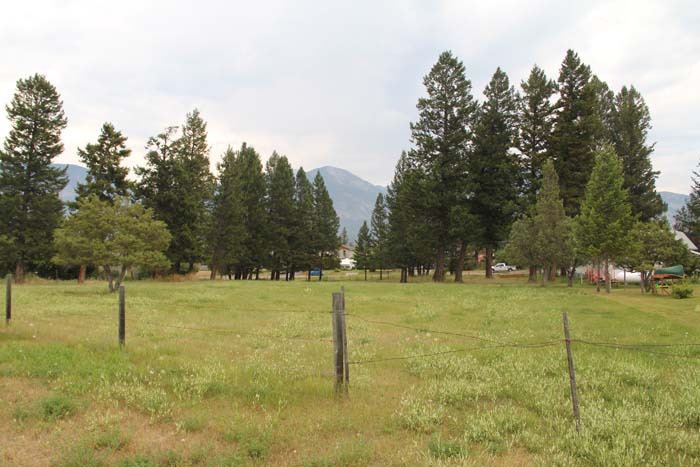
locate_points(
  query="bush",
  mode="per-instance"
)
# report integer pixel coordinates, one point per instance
(682, 290)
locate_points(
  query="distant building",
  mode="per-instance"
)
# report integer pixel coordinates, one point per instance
(687, 242)
(345, 252)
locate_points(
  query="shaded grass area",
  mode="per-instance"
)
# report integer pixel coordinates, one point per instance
(239, 373)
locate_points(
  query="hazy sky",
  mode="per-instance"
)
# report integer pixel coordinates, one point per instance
(336, 83)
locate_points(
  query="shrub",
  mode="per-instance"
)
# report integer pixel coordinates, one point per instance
(682, 290)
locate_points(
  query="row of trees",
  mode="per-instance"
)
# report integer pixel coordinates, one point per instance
(176, 215)
(477, 169)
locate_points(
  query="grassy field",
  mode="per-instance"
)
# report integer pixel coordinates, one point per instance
(237, 373)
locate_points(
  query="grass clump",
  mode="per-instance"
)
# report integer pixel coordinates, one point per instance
(682, 290)
(446, 449)
(56, 408)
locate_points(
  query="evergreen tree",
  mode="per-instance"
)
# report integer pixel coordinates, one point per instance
(193, 184)
(281, 213)
(227, 233)
(344, 240)
(30, 208)
(577, 124)
(106, 178)
(631, 125)
(536, 124)
(603, 229)
(363, 245)
(112, 233)
(554, 230)
(158, 181)
(379, 234)
(302, 244)
(326, 223)
(494, 167)
(253, 192)
(603, 122)
(442, 143)
(687, 220)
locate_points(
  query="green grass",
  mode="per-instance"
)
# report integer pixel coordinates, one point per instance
(238, 373)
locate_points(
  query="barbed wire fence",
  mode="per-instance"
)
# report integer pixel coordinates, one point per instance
(339, 339)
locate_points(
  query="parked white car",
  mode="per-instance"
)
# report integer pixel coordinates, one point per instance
(503, 267)
(347, 263)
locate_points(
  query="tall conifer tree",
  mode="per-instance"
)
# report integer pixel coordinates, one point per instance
(30, 209)
(281, 213)
(106, 177)
(303, 248)
(576, 126)
(326, 222)
(442, 138)
(379, 234)
(631, 125)
(494, 170)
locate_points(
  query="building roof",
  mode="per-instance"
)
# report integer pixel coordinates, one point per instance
(686, 241)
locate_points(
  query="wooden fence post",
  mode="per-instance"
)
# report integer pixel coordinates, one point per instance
(345, 341)
(337, 341)
(122, 316)
(8, 299)
(572, 372)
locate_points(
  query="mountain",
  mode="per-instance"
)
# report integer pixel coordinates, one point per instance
(674, 201)
(353, 197)
(76, 174)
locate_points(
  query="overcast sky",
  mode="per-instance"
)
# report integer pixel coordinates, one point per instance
(336, 83)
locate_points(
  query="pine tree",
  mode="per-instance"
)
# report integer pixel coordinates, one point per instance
(631, 125)
(344, 240)
(30, 208)
(106, 178)
(687, 220)
(253, 192)
(603, 229)
(281, 213)
(379, 234)
(326, 222)
(554, 230)
(227, 233)
(576, 126)
(605, 108)
(442, 143)
(193, 184)
(302, 245)
(157, 188)
(494, 167)
(363, 253)
(536, 124)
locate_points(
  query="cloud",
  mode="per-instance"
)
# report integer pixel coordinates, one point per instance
(330, 83)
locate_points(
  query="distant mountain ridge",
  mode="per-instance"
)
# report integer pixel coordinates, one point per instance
(674, 201)
(353, 197)
(76, 174)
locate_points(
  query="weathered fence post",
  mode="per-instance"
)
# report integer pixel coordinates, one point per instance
(8, 299)
(122, 316)
(345, 340)
(572, 372)
(340, 358)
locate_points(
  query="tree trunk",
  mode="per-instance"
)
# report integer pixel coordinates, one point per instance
(365, 273)
(597, 279)
(570, 276)
(110, 278)
(553, 272)
(607, 276)
(308, 275)
(212, 274)
(439, 274)
(532, 275)
(642, 281)
(545, 276)
(81, 274)
(489, 263)
(19, 273)
(381, 276)
(459, 267)
(120, 279)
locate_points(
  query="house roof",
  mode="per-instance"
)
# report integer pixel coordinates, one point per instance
(686, 241)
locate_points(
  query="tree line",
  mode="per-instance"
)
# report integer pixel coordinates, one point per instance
(553, 175)
(176, 215)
